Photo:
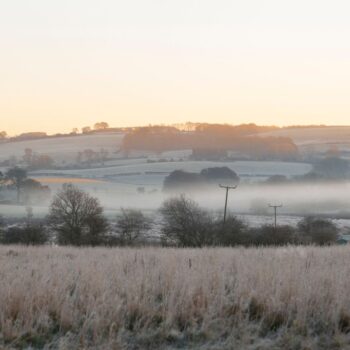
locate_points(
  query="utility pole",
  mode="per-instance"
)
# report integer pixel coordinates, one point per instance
(275, 207)
(227, 189)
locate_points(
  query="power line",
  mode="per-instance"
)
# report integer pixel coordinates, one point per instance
(227, 189)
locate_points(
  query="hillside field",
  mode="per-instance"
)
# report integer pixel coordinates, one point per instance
(100, 298)
(63, 148)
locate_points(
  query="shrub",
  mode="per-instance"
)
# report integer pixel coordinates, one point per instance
(185, 223)
(317, 230)
(233, 232)
(30, 234)
(269, 235)
(131, 226)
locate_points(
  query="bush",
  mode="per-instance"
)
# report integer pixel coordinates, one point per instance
(31, 234)
(131, 226)
(318, 231)
(233, 232)
(268, 235)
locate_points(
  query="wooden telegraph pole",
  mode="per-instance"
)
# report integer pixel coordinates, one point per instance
(275, 207)
(226, 198)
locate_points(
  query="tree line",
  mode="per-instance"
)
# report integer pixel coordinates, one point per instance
(27, 190)
(76, 218)
(209, 138)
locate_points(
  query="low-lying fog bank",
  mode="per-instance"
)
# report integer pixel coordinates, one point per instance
(250, 202)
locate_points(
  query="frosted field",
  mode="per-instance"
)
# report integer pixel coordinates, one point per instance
(139, 172)
(63, 148)
(302, 136)
(165, 299)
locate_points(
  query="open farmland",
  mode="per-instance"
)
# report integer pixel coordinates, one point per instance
(266, 298)
(141, 172)
(310, 135)
(312, 140)
(63, 148)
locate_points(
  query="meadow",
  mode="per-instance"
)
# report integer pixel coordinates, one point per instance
(154, 298)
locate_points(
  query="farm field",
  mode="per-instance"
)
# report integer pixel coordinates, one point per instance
(220, 298)
(141, 172)
(63, 148)
(318, 135)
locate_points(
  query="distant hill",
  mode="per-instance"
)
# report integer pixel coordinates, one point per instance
(313, 135)
(63, 148)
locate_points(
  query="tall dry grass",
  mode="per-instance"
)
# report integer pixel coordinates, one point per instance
(268, 298)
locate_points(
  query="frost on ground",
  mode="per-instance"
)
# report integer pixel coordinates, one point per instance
(100, 298)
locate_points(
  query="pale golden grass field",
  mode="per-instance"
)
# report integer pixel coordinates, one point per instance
(153, 298)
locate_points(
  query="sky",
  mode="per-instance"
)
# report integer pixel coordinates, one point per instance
(71, 63)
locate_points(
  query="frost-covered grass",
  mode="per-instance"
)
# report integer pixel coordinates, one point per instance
(250, 168)
(285, 298)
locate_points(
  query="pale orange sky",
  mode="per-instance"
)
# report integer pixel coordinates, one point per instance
(71, 63)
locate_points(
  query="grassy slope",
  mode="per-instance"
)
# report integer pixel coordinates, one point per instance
(286, 298)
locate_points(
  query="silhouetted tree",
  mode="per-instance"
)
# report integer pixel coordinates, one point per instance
(131, 226)
(185, 223)
(233, 232)
(86, 130)
(34, 191)
(268, 235)
(182, 180)
(28, 156)
(101, 126)
(17, 176)
(77, 217)
(317, 230)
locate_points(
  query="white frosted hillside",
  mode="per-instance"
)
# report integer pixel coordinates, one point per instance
(63, 148)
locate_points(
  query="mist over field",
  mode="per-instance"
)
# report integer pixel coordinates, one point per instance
(136, 181)
(174, 175)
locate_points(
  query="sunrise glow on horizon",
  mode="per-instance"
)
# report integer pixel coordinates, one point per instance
(67, 64)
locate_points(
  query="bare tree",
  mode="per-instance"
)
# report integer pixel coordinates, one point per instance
(185, 223)
(131, 226)
(77, 217)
